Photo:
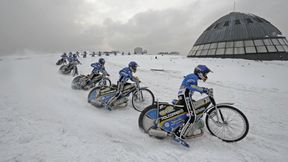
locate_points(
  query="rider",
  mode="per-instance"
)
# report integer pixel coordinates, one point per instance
(73, 60)
(64, 57)
(125, 74)
(188, 87)
(98, 71)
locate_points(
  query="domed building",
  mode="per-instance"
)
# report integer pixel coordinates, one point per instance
(240, 35)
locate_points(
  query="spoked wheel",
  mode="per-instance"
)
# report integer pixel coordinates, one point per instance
(94, 99)
(148, 118)
(64, 69)
(142, 99)
(104, 82)
(232, 125)
(76, 82)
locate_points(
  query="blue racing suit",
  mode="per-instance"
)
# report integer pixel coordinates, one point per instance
(125, 75)
(190, 84)
(188, 87)
(98, 68)
(97, 72)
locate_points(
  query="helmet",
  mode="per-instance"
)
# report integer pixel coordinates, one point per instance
(74, 56)
(101, 61)
(201, 71)
(133, 65)
(70, 53)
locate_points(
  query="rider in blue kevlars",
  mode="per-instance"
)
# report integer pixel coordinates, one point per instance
(188, 87)
(125, 74)
(98, 71)
(64, 56)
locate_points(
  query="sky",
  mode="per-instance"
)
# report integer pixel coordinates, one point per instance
(105, 25)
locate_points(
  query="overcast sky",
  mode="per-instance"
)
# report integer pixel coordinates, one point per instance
(155, 25)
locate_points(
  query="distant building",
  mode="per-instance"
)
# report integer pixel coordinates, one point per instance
(169, 53)
(138, 50)
(240, 35)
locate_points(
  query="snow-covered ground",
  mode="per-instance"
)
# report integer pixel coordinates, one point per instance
(43, 119)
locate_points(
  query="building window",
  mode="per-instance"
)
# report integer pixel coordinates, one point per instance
(238, 44)
(213, 46)
(267, 42)
(192, 53)
(275, 41)
(258, 42)
(248, 20)
(221, 45)
(261, 49)
(229, 51)
(239, 50)
(237, 22)
(250, 49)
(286, 48)
(285, 40)
(203, 52)
(201, 47)
(229, 44)
(280, 48)
(248, 43)
(206, 46)
(226, 23)
(220, 51)
(197, 53)
(211, 52)
(282, 42)
(271, 49)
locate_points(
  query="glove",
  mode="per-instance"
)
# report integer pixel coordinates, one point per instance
(205, 90)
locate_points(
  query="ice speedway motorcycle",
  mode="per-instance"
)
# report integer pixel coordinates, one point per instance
(61, 61)
(222, 120)
(81, 81)
(141, 96)
(66, 69)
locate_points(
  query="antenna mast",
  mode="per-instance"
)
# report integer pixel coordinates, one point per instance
(234, 6)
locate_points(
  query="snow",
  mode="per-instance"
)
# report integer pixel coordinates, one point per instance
(43, 119)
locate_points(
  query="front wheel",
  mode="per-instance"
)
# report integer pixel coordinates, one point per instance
(142, 99)
(104, 82)
(76, 82)
(233, 125)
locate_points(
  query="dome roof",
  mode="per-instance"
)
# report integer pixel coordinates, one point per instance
(238, 26)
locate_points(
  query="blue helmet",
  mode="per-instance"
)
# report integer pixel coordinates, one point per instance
(101, 61)
(133, 65)
(201, 71)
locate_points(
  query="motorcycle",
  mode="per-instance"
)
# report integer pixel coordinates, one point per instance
(66, 69)
(81, 81)
(61, 61)
(141, 96)
(222, 120)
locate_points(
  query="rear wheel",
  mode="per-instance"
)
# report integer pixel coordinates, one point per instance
(94, 99)
(147, 118)
(142, 99)
(232, 127)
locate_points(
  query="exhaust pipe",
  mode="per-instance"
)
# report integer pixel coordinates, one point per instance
(157, 133)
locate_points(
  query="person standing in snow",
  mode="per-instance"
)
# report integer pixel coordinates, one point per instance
(125, 75)
(188, 87)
